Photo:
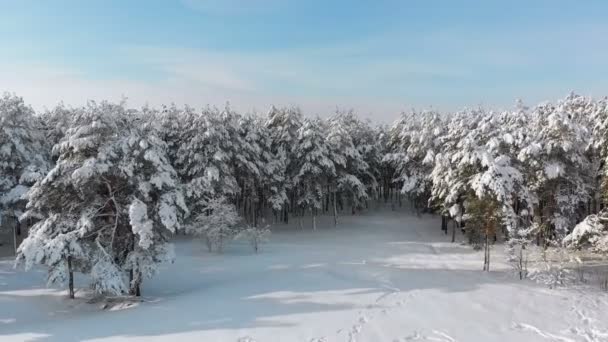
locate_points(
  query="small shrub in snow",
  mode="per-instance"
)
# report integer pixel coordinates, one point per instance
(553, 275)
(602, 279)
(517, 250)
(553, 270)
(256, 236)
(216, 224)
(517, 256)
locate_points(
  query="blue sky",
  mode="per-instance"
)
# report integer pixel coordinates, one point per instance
(378, 57)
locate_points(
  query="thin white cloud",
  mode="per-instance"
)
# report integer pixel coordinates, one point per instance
(316, 71)
(44, 86)
(216, 76)
(374, 75)
(227, 7)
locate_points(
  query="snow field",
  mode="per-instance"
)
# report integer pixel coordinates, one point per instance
(382, 276)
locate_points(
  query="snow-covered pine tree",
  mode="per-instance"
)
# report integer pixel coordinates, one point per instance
(592, 232)
(24, 156)
(55, 123)
(315, 167)
(108, 205)
(560, 173)
(172, 122)
(456, 161)
(483, 217)
(250, 161)
(348, 164)
(418, 141)
(476, 174)
(283, 125)
(273, 168)
(367, 140)
(205, 159)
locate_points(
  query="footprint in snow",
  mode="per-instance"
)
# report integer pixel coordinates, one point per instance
(246, 339)
(413, 337)
(443, 337)
(437, 336)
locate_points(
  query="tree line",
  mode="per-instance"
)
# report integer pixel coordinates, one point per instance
(103, 187)
(528, 175)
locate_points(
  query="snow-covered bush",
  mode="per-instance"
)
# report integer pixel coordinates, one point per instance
(553, 268)
(590, 233)
(256, 236)
(217, 224)
(517, 253)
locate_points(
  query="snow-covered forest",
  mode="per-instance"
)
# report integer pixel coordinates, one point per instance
(103, 190)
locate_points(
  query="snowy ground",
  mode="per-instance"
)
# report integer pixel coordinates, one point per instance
(382, 276)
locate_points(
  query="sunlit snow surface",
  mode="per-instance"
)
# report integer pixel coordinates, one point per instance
(382, 276)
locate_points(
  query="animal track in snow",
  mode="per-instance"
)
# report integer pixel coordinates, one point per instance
(320, 339)
(356, 329)
(541, 333)
(441, 336)
(246, 339)
(436, 335)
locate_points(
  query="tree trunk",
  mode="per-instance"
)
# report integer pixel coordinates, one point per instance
(335, 211)
(454, 231)
(301, 217)
(314, 219)
(255, 214)
(15, 238)
(521, 262)
(245, 209)
(486, 257)
(134, 289)
(327, 200)
(385, 190)
(70, 278)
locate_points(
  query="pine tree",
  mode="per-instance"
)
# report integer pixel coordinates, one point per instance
(283, 126)
(315, 167)
(483, 217)
(108, 206)
(348, 163)
(24, 157)
(559, 169)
